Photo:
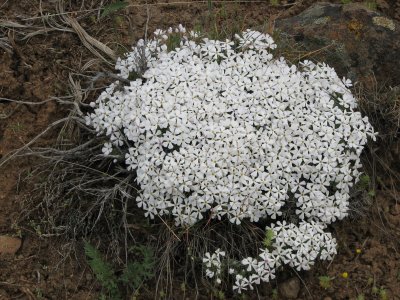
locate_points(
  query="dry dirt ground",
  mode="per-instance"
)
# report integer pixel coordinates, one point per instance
(38, 67)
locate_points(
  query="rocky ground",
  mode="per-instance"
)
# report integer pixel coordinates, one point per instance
(37, 62)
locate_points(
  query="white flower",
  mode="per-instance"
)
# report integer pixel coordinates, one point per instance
(241, 283)
(250, 262)
(222, 127)
(107, 148)
(209, 273)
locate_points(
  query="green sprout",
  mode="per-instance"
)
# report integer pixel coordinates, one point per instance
(269, 236)
(325, 282)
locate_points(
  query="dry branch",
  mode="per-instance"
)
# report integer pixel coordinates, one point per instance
(88, 41)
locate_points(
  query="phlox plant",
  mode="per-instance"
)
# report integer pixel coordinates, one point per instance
(223, 130)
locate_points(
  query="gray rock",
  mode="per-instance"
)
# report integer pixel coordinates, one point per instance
(359, 43)
(290, 288)
(9, 245)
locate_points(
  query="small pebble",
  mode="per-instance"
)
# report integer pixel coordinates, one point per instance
(290, 288)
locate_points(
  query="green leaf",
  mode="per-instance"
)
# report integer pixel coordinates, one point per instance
(325, 282)
(269, 236)
(113, 7)
(103, 271)
(365, 181)
(138, 271)
(360, 297)
(371, 193)
(383, 294)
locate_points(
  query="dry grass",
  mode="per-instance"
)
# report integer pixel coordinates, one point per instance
(61, 21)
(382, 106)
(79, 193)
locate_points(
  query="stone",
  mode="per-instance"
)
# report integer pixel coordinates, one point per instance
(9, 245)
(395, 210)
(290, 288)
(89, 277)
(360, 44)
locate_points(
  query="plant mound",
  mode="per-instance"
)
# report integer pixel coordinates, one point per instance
(222, 129)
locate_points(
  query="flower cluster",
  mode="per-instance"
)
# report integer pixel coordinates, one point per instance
(224, 129)
(213, 264)
(295, 246)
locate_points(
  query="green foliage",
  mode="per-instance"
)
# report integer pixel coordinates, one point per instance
(17, 127)
(113, 7)
(132, 276)
(346, 1)
(39, 293)
(274, 2)
(364, 182)
(374, 290)
(173, 41)
(325, 282)
(210, 4)
(275, 295)
(383, 294)
(183, 287)
(118, 20)
(222, 21)
(372, 5)
(243, 297)
(365, 185)
(36, 227)
(103, 271)
(218, 294)
(269, 236)
(360, 297)
(138, 271)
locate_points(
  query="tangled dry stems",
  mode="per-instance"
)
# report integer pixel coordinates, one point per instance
(99, 196)
(80, 194)
(382, 105)
(61, 21)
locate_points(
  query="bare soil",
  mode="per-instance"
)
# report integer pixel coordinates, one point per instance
(38, 68)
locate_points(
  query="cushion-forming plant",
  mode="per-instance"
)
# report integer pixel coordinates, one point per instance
(222, 129)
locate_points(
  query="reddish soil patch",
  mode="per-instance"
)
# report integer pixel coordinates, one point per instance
(38, 68)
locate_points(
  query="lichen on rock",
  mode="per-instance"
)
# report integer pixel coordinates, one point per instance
(370, 41)
(384, 22)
